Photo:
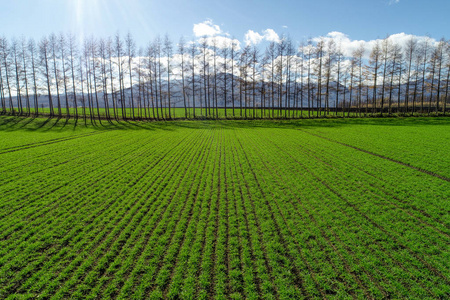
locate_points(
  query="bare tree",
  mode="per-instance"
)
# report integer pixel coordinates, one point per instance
(288, 89)
(353, 64)
(118, 48)
(72, 55)
(62, 45)
(425, 48)
(110, 51)
(181, 52)
(193, 53)
(44, 48)
(23, 48)
(205, 71)
(358, 56)
(281, 48)
(394, 69)
(310, 50)
(410, 50)
(439, 54)
(168, 52)
(447, 55)
(339, 58)
(270, 53)
(130, 50)
(329, 63)
(320, 49)
(151, 67)
(54, 48)
(32, 52)
(95, 67)
(386, 50)
(2, 94)
(254, 62)
(83, 102)
(18, 70)
(375, 58)
(102, 57)
(225, 52)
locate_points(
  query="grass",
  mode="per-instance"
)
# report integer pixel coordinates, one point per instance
(326, 208)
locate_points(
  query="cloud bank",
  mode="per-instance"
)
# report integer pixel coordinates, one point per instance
(206, 28)
(254, 38)
(348, 46)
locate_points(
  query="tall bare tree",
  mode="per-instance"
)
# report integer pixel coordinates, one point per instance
(193, 53)
(18, 71)
(410, 50)
(130, 50)
(182, 52)
(56, 71)
(44, 49)
(72, 48)
(168, 52)
(375, 58)
(32, 50)
(119, 50)
(25, 56)
(358, 56)
(62, 45)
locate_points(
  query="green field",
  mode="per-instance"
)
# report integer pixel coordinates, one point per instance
(354, 208)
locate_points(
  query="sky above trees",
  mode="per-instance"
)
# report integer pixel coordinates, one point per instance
(247, 21)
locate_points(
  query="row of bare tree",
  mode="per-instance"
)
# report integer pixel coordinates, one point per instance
(112, 79)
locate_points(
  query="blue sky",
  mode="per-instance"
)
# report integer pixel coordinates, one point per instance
(360, 20)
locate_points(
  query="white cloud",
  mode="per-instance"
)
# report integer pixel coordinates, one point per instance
(284, 26)
(212, 34)
(207, 28)
(393, 2)
(254, 38)
(271, 36)
(348, 45)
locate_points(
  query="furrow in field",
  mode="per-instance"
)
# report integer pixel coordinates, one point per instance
(187, 286)
(239, 283)
(52, 205)
(382, 184)
(427, 237)
(30, 146)
(429, 267)
(285, 212)
(121, 249)
(97, 241)
(374, 170)
(261, 269)
(383, 157)
(318, 190)
(164, 273)
(337, 167)
(183, 253)
(282, 234)
(143, 280)
(123, 273)
(67, 177)
(50, 159)
(285, 268)
(303, 223)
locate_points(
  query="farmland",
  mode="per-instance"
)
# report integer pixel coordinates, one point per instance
(354, 208)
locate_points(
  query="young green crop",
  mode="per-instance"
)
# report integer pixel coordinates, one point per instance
(225, 209)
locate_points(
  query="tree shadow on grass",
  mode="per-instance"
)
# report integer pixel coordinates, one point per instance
(46, 124)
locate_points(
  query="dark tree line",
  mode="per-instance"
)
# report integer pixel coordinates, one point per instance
(60, 76)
